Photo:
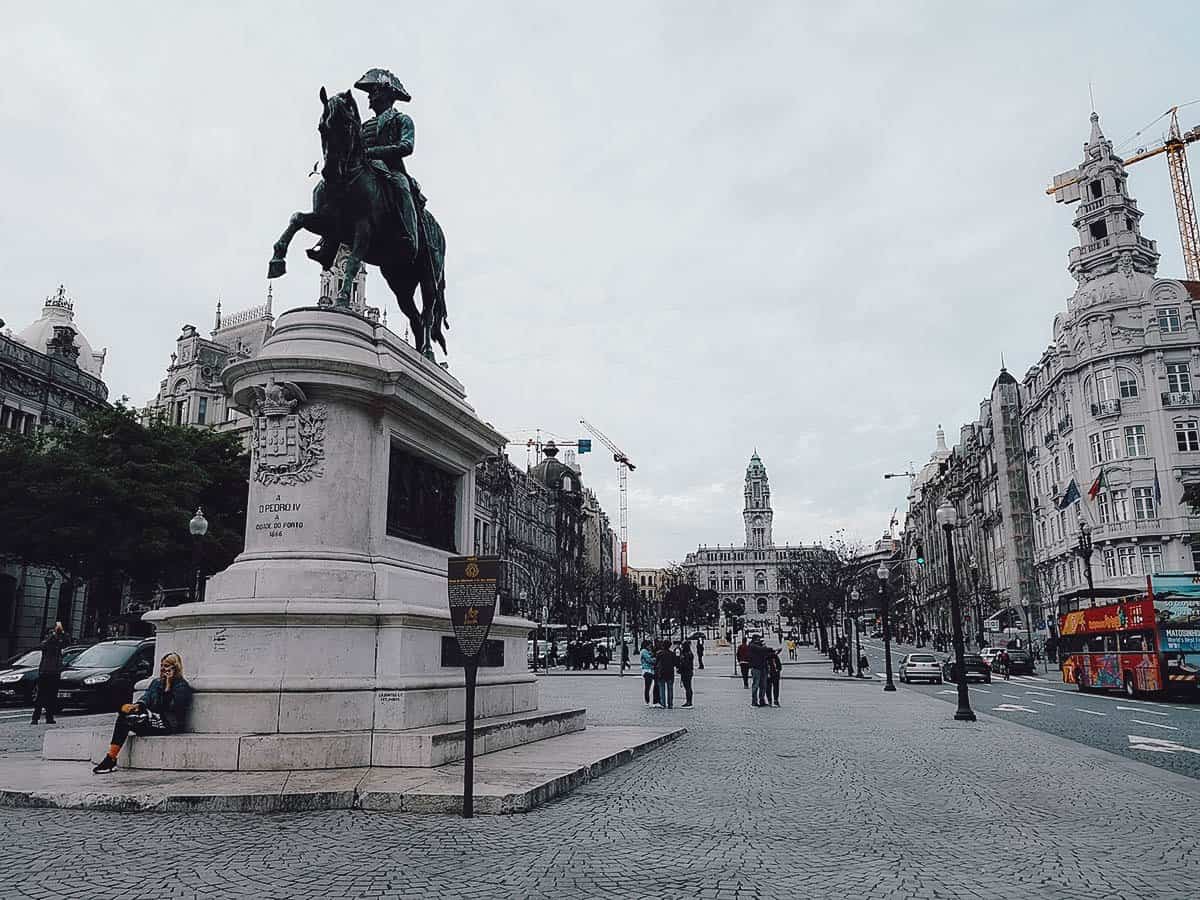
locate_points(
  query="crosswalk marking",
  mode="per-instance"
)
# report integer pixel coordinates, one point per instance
(1043, 702)
(1155, 724)
(1090, 712)
(1145, 712)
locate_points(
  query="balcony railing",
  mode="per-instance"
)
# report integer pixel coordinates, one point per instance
(1065, 425)
(1050, 438)
(1031, 454)
(1106, 408)
(1180, 398)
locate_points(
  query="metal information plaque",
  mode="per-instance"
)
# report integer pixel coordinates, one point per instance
(472, 583)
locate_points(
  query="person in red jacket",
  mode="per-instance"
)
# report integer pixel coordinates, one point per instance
(743, 658)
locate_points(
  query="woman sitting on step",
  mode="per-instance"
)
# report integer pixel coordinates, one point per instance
(163, 709)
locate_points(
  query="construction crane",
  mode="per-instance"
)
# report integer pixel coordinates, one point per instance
(624, 467)
(1174, 145)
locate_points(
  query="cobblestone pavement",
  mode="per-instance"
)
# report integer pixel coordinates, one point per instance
(843, 792)
(1164, 733)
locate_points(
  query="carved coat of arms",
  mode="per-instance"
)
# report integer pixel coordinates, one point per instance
(289, 435)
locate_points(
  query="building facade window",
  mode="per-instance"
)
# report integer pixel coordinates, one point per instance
(1112, 444)
(1151, 558)
(1096, 448)
(1127, 560)
(1110, 562)
(1104, 386)
(1119, 500)
(1127, 382)
(1104, 508)
(1179, 378)
(1196, 557)
(1135, 440)
(1187, 435)
(202, 410)
(1143, 503)
(1168, 319)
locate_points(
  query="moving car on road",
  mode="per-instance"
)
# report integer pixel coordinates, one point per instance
(103, 676)
(920, 667)
(974, 665)
(19, 681)
(1020, 662)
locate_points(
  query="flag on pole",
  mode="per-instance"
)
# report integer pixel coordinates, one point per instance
(1071, 496)
(1157, 489)
(1097, 486)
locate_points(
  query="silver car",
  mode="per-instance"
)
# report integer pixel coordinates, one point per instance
(921, 667)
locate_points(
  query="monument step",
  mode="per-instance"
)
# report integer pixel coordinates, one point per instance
(509, 781)
(426, 747)
(436, 745)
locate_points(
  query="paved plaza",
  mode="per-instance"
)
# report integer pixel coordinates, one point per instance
(844, 791)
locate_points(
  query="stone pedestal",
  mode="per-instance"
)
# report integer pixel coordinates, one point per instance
(328, 631)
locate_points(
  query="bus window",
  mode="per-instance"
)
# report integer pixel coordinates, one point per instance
(1137, 642)
(1094, 643)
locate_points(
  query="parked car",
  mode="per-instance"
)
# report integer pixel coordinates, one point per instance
(989, 654)
(103, 676)
(19, 681)
(920, 667)
(1020, 662)
(975, 665)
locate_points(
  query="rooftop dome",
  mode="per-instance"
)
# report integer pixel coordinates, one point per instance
(930, 470)
(551, 471)
(58, 311)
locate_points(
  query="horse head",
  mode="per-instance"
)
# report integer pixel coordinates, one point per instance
(341, 134)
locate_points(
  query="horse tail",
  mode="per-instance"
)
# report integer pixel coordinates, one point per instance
(436, 257)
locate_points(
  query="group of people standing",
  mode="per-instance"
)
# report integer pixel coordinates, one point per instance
(761, 670)
(660, 661)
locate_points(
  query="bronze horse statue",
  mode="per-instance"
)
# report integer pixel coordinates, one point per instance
(351, 206)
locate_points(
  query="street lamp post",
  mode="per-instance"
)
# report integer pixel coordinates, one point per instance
(1085, 550)
(50, 578)
(974, 566)
(854, 596)
(883, 573)
(947, 517)
(198, 526)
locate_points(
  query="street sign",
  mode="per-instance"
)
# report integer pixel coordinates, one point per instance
(471, 588)
(584, 445)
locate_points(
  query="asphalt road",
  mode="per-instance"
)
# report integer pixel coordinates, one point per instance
(1164, 733)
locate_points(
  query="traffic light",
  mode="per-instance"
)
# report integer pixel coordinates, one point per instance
(920, 554)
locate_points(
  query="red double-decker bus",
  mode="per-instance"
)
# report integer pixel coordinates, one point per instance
(1142, 645)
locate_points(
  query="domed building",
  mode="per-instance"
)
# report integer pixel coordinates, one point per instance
(49, 376)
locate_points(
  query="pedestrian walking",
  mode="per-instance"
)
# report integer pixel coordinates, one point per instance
(758, 672)
(700, 651)
(774, 672)
(791, 648)
(647, 660)
(686, 665)
(665, 663)
(162, 710)
(49, 670)
(554, 654)
(743, 659)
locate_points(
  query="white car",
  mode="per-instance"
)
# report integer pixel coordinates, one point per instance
(989, 654)
(920, 667)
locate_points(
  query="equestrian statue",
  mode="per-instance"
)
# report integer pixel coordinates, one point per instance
(367, 200)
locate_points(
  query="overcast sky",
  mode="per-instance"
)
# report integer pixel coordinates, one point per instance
(807, 228)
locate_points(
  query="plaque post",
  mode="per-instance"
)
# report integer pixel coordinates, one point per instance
(471, 587)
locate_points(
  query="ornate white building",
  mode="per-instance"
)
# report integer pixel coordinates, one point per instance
(1118, 392)
(49, 375)
(748, 571)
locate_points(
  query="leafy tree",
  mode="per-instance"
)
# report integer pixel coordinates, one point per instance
(817, 583)
(107, 502)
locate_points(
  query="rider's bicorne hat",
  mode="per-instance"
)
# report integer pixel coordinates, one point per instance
(376, 77)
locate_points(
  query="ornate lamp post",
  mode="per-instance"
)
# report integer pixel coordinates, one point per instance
(50, 578)
(974, 566)
(854, 596)
(947, 517)
(883, 573)
(198, 526)
(1085, 550)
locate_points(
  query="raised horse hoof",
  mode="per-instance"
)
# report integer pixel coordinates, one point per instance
(276, 267)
